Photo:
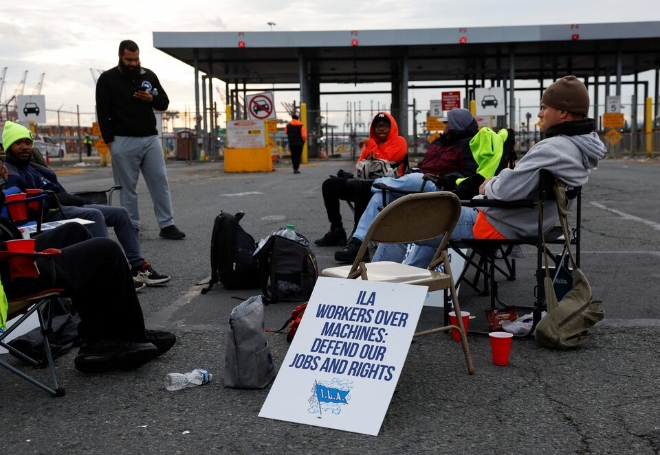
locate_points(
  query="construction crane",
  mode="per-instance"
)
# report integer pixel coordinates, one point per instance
(37, 90)
(2, 81)
(21, 85)
(91, 70)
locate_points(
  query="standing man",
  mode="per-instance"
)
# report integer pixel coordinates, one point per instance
(125, 99)
(297, 134)
(88, 144)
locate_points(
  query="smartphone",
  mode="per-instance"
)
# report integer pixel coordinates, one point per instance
(141, 89)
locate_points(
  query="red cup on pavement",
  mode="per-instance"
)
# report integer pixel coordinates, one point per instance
(22, 245)
(453, 320)
(17, 210)
(31, 192)
(500, 346)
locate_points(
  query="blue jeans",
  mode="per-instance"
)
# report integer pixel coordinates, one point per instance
(420, 255)
(408, 182)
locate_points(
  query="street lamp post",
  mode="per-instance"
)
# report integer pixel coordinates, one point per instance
(271, 25)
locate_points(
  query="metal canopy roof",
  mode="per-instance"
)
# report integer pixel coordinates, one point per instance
(539, 51)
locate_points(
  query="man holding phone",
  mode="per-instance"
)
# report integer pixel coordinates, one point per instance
(126, 97)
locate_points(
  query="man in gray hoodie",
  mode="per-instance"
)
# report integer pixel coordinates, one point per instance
(570, 150)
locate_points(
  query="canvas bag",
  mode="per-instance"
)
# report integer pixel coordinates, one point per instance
(566, 323)
(248, 361)
(373, 168)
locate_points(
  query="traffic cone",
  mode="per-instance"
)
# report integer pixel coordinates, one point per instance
(47, 159)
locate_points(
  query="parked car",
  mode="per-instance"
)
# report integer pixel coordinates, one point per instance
(47, 144)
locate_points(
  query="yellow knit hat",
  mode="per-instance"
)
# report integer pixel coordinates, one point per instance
(14, 132)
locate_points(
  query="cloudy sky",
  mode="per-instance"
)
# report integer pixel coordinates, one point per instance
(65, 38)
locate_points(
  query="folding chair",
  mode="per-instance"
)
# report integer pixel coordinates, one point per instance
(25, 307)
(483, 254)
(414, 218)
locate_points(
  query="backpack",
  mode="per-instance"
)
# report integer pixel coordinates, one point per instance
(232, 249)
(248, 361)
(373, 168)
(288, 268)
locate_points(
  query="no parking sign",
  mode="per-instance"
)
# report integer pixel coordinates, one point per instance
(261, 106)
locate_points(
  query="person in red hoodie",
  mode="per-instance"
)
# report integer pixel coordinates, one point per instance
(384, 143)
(297, 134)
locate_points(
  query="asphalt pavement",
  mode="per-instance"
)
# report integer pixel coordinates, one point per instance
(602, 398)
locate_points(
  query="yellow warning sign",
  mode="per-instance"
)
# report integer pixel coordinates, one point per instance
(613, 120)
(96, 129)
(271, 126)
(613, 137)
(434, 123)
(101, 146)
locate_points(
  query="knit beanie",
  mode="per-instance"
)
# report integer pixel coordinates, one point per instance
(567, 94)
(459, 119)
(14, 132)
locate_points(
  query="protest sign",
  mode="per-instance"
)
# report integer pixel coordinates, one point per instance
(345, 361)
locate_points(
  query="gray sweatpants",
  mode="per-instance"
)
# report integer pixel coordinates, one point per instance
(130, 155)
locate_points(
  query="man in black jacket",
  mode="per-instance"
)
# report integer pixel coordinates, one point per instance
(126, 96)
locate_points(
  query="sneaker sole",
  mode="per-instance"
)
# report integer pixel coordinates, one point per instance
(152, 282)
(127, 360)
(172, 237)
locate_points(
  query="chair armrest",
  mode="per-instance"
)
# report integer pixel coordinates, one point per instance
(483, 202)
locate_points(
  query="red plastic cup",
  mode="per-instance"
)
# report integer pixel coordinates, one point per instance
(22, 245)
(31, 192)
(17, 210)
(500, 346)
(453, 320)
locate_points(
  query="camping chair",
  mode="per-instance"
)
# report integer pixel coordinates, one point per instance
(484, 252)
(25, 307)
(414, 218)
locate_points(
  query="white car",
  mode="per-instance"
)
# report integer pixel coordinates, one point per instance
(47, 144)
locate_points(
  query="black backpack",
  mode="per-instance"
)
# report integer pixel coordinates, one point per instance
(288, 269)
(232, 263)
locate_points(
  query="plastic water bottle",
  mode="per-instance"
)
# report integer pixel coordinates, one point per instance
(178, 381)
(289, 232)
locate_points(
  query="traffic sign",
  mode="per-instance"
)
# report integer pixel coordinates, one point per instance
(613, 120)
(613, 137)
(96, 129)
(613, 104)
(31, 108)
(101, 146)
(436, 108)
(261, 106)
(451, 100)
(434, 123)
(490, 101)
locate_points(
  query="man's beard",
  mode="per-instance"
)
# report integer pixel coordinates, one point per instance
(129, 69)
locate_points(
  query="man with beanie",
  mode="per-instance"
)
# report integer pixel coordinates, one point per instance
(24, 174)
(297, 135)
(571, 148)
(126, 97)
(449, 154)
(384, 143)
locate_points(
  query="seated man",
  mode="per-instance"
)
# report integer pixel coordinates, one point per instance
(452, 155)
(571, 148)
(384, 143)
(95, 276)
(23, 174)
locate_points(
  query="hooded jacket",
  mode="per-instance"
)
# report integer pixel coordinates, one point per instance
(119, 112)
(451, 154)
(571, 150)
(394, 149)
(296, 133)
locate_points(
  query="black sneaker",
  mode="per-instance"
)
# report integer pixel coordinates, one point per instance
(349, 253)
(139, 285)
(172, 233)
(146, 274)
(161, 339)
(108, 355)
(335, 237)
